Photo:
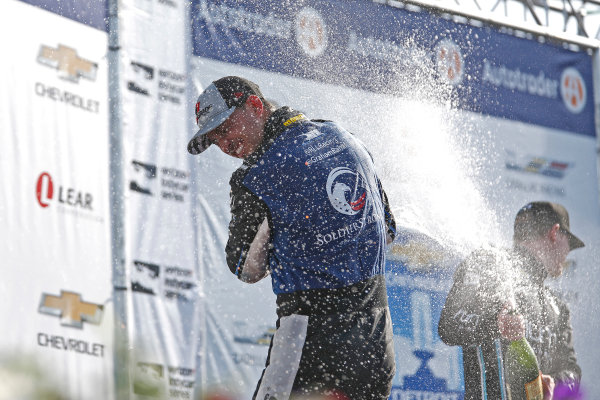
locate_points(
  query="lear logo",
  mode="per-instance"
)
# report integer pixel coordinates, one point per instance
(311, 32)
(70, 66)
(71, 310)
(449, 62)
(44, 190)
(343, 182)
(572, 89)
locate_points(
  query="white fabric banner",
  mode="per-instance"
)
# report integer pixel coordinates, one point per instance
(55, 295)
(164, 281)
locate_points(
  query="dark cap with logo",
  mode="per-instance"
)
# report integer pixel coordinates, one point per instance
(216, 103)
(539, 216)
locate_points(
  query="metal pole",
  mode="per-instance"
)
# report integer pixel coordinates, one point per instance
(596, 89)
(200, 358)
(117, 211)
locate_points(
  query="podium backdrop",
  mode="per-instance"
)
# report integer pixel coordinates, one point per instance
(466, 122)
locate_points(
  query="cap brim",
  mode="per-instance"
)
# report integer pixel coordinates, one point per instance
(200, 142)
(574, 241)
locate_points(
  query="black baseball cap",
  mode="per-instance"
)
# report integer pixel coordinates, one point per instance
(540, 215)
(216, 103)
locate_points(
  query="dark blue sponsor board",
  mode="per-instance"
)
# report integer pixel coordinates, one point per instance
(89, 12)
(377, 47)
(417, 273)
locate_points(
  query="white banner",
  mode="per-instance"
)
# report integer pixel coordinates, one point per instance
(54, 236)
(166, 310)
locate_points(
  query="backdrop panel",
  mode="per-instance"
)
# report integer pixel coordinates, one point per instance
(466, 123)
(55, 297)
(165, 314)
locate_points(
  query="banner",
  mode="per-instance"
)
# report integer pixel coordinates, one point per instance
(166, 318)
(418, 277)
(337, 42)
(55, 297)
(466, 124)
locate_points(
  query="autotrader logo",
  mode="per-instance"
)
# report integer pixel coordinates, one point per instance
(572, 89)
(71, 310)
(44, 190)
(346, 191)
(311, 32)
(449, 62)
(69, 65)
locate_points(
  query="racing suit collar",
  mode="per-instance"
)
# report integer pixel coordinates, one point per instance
(274, 126)
(531, 265)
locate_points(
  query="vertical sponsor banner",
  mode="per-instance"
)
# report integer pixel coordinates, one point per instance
(466, 123)
(55, 295)
(163, 278)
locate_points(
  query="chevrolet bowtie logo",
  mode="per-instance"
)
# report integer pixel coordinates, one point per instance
(71, 310)
(70, 66)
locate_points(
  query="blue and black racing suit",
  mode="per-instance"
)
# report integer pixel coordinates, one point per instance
(314, 186)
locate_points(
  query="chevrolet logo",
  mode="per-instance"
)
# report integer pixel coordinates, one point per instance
(70, 66)
(71, 310)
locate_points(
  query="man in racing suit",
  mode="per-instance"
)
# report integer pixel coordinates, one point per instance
(492, 284)
(308, 208)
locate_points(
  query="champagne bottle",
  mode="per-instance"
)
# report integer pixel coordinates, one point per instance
(522, 372)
